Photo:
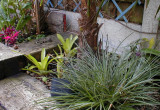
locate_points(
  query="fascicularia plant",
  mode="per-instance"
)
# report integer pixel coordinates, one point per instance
(108, 82)
(10, 35)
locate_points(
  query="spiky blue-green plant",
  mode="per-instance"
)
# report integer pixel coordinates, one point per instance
(108, 82)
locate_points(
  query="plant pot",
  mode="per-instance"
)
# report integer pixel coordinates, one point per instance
(58, 87)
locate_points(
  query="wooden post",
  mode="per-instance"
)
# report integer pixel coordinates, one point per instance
(38, 16)
(150, 22)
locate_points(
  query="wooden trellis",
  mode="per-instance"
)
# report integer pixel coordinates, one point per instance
(77, 6)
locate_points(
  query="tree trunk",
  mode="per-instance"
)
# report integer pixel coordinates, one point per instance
(89, 27)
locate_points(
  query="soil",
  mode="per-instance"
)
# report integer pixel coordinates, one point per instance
(47, 83)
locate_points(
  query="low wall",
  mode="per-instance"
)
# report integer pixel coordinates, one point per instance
(111, 30)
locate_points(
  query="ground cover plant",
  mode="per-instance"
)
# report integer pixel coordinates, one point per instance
(107, 81)
(9, 35)
(50, 65)
(18, 15)
(15, 13)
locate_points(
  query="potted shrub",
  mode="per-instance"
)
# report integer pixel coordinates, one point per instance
(105, 82)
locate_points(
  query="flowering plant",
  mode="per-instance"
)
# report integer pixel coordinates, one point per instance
(10, 35)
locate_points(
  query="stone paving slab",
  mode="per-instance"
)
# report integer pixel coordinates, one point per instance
(20, 92)
(7, 52)
(49, 42)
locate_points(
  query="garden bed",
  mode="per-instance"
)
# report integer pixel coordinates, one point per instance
(11, 61)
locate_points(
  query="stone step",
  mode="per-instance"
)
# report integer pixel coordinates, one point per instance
(11, 61)
(21, 92)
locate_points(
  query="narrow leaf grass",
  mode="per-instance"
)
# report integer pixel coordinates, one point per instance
(108, 82)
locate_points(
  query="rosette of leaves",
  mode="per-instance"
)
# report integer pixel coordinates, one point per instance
(69, 52)
(67, 45)
(42, 66)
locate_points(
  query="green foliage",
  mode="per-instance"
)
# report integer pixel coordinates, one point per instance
(14, 13)
(23, 21)
(150, 42)
(69, 52)
(39, 36)
(32, 37)
(44, 79)
(41, 66)
(67, 45)
(108, 82)
(60, 60)
(151, 51)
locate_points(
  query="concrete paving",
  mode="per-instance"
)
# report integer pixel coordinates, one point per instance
(20, 92)
(7, 52)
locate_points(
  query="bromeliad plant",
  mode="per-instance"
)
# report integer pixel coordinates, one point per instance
(69, 52)
(10, 35)
(105, 82)
(41, 66)
(67, 45)
(59, 60)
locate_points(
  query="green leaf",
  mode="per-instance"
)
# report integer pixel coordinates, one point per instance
(48, 63)
(41, 2)
(151, 51)
(43, 54)
(44, 79)
(44, 63)
(61, 39)
(151, 43)
(32, 67)
(27, 5)
(73, 52)
(11, 10)
(22, 22)
(34, 61)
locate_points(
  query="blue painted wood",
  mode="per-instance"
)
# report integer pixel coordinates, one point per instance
(125, 11)
(77, 5)
(122, 13)
(49, 2)
(100, 14)
(60, 3)
(115, 3)
(139, 2)
(104, 3)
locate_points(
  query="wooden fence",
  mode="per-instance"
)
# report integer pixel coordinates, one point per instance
(127, 10)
